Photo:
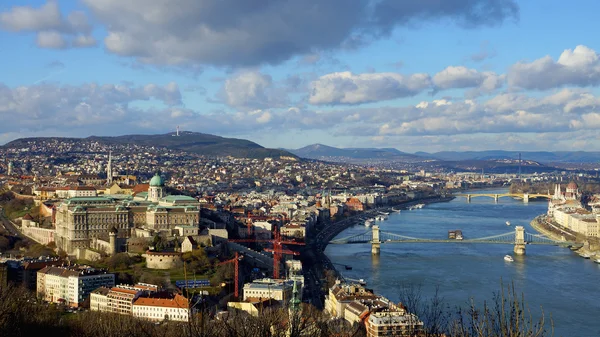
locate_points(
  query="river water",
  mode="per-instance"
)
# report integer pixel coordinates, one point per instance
(563, 284)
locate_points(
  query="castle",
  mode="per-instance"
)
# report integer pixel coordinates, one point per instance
(87, 222)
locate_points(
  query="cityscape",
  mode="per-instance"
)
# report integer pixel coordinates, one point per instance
(299, 168)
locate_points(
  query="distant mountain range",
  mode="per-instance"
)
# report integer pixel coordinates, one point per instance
(353, 155)
(539, 156)
(192, 142)
(364, 155)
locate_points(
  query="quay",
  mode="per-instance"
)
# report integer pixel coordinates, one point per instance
(318, 264)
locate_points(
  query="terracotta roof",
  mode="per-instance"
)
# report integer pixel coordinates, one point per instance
(123, 290)
(140, 188)
(177, 302)
(27, 217)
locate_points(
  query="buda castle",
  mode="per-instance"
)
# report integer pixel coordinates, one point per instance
(103, 223)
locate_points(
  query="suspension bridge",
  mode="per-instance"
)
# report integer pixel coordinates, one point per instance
(519, 238)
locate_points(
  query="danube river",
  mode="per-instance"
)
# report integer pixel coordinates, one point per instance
(565, 285)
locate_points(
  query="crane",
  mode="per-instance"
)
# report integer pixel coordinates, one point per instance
(236, 264)
(277, 249)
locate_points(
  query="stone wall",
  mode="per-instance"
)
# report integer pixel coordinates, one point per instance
(163, 260)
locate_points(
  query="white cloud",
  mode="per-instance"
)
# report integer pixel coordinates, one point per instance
(51, 40)
(460, 77)
(25, 18)
(347, 88)
(54, 30)
(578, 67)
(84, 41)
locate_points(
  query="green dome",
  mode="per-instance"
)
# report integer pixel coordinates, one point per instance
(157, 181)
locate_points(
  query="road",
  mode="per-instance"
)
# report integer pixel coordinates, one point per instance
(10, 228)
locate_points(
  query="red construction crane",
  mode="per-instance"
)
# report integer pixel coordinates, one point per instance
(277, 249)
(236, 264)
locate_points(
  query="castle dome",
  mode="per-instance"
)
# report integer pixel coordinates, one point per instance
(572, 186)
(157, 181)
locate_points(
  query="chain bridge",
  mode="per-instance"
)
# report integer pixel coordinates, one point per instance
(523, 196)
(519, 238)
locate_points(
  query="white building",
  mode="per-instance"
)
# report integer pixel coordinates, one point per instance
(279, 290)
(175, 308)
(393, 323)
(70, 285)
(82, 192)
(119, 299)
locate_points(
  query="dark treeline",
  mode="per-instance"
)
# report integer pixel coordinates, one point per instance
(507, 315)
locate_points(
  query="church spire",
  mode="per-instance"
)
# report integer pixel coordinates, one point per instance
(295, 300)
(109, 175)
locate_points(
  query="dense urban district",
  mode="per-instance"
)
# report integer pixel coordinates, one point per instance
(130, 239)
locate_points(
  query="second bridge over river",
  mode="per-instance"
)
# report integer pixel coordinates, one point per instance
(519, 238)
(523, 196)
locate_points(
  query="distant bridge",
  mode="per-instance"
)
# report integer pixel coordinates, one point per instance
(519, 238)
(524, 196)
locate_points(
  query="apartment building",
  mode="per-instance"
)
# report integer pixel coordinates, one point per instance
(71, 285)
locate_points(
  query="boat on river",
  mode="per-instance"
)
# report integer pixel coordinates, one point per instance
(508, 223)
(381, 217)
(508, 258)
(369, 222)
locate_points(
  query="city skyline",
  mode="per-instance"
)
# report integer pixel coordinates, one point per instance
(468, 75)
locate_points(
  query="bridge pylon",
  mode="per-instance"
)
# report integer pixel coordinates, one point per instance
(375, 243)
(519, 240)
(496, 197)
(468, 198)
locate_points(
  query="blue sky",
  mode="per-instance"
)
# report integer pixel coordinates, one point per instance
(418, 76)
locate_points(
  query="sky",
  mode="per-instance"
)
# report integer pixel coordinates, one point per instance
(427, 75)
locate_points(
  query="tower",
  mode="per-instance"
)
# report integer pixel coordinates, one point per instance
(112, 240)
(109, 175)
(156, 191)
(10, 167)
(294, 312)
(519, 248)
(375, 243)
(177, 130)
(519, 165)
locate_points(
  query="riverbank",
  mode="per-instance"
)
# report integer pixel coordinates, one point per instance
(320, 270)
(555, 232)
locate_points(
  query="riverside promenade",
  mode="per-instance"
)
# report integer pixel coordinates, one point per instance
(554, 231)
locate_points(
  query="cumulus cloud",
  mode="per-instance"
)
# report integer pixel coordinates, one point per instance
(249, 89)
(501, 114)
(51, 40)
(455, 77)
(53, 29)
(247, 33)
(92, 105)
(578, 67)
(112, 109)
(348, 88)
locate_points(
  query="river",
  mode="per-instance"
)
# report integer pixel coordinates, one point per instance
(565, 285)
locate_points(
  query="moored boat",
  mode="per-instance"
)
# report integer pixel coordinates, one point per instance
(508, 258)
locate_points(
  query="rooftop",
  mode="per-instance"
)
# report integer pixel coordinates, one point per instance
(177, 301)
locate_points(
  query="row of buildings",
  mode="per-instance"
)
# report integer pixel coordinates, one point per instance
(566, 209)
(380, 316)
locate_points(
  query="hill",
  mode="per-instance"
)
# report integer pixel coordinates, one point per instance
(192, 142)
(353, 155)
